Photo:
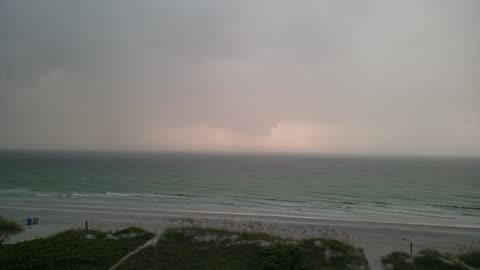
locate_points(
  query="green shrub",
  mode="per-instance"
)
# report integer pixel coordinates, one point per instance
(429, 260)
(432, 259)
(399, 260)
(283, 257)
(472, 258)
(9, 227)
(199, 248)
(71, 249)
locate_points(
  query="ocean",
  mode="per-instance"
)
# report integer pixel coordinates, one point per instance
(435, 191)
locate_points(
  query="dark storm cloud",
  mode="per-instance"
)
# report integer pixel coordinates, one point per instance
(338, 76)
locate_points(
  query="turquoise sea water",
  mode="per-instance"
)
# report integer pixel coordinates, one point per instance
(405, 190)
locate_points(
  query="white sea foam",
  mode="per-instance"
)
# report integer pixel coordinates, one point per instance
(347, 188)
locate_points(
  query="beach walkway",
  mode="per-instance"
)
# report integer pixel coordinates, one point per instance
(150, 242)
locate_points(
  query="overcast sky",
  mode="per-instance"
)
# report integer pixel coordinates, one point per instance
(369, 77)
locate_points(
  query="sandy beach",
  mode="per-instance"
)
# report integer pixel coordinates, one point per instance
(377, 239)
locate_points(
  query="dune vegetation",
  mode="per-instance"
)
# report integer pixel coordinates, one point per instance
(432, 260)
(200, 248)
(72, 249)
(9, 227)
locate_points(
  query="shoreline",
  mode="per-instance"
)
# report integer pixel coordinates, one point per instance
(172, 213)
(376, 238)
(146, 208)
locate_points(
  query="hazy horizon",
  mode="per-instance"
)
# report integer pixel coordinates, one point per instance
(376, 78)
(232, 153)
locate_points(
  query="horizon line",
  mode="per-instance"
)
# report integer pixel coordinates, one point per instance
(219, 152)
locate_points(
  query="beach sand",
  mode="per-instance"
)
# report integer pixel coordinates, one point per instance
(377, 239)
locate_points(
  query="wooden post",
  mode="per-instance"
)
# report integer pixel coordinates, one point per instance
(411, 248)
(86, 225)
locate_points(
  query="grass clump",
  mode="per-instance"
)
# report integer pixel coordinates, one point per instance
(200, 248)
(398, 261)
(9, 227)
(283, 256)
(431, 260)
(71, 249)
(471, 258)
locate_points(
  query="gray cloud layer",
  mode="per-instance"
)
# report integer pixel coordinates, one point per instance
(380, 77)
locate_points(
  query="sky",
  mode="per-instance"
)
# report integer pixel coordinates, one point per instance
(348, 77)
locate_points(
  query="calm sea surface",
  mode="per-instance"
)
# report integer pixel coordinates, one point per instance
(405, 190)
